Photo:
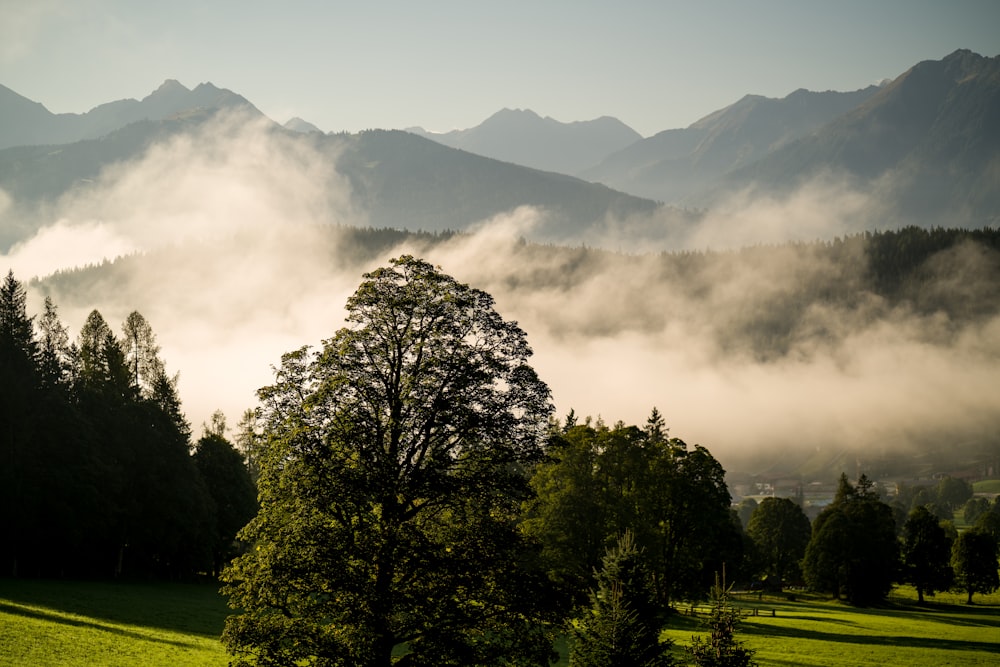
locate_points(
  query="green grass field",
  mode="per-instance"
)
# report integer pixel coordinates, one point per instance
(86, 623)
(986, 486)
(814, 632)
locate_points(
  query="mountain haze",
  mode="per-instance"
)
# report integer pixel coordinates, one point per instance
(927, 145)
(922, 149)
(523, 137)
(395, 179)
(673, 165)
(27, 123)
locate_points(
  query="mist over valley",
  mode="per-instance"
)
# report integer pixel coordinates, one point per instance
(783, 299)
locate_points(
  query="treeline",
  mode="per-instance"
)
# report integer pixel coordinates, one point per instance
(599, 483)
(99, 476)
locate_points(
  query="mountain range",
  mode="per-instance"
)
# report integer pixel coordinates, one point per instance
(397, 179)
(928, 143)
(27, 123)
(924, 148)
(523, 137)
(674, 165)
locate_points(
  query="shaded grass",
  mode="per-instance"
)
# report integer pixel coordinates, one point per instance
(100, 623)
(91, 623)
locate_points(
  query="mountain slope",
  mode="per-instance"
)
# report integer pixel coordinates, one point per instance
(402, 178)
(523, 137)
(928, 145)
(28, 123)
(396, 179)
(673, 164)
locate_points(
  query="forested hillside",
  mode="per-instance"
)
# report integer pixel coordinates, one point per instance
(896, 316)
(949, 275)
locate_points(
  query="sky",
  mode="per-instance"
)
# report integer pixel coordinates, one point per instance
(349, 66)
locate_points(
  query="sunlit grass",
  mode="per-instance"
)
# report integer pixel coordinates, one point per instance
(90, 623)
(986, 486)
(812, 631)
(87, 623)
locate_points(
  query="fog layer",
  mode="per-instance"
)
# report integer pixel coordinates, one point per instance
(241, 250)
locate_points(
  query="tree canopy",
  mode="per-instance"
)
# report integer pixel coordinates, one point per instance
(780, 531)
(974, 559)
(600, 482)
(926, 553)
(394, 465)
(853, 550)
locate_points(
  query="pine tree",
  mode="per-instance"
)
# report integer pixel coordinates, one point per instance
(18, 422)
(621, 627)
(721, 648)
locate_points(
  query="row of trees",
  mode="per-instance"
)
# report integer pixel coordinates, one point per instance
(856, 550)
(99, 475)
(599, 482)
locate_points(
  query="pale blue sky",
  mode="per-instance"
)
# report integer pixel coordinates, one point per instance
(450, 64)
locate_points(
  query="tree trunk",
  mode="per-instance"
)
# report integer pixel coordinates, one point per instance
(920, 595)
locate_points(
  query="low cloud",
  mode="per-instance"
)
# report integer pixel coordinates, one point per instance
(244, 259)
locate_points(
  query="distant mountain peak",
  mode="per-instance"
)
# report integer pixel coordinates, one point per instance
(297, 124)
(171, 86)
(507, 115)
(208, 86)
(27, 123)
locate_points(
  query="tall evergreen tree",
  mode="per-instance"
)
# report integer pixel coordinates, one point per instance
(141, 352)
(622, 625)
(18, 423)
(54, 351)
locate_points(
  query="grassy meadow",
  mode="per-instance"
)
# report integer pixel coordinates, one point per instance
(90, 623)
(987, 486)
(809, 631)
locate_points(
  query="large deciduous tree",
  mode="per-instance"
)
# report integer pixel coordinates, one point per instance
(926, 553)
(974, 559)
(853, 550)
(390, 483)
(780, 531)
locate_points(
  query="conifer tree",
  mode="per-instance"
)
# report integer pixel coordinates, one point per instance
(622, 626)
(721, 648)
